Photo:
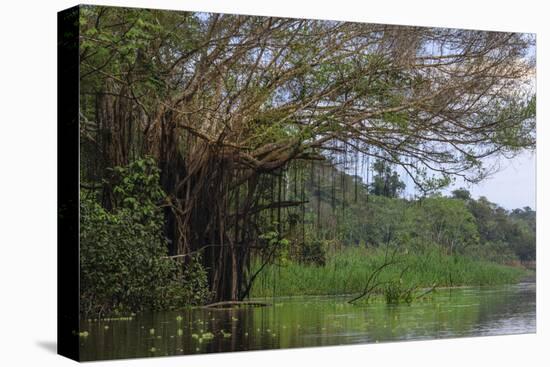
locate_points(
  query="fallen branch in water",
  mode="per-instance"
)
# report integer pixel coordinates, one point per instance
(374, 277)
(237, 303)
(427, 292)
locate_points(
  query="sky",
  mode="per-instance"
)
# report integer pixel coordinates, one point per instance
(513, 186)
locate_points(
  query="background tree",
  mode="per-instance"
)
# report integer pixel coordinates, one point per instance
(461, 194)
(386, 182)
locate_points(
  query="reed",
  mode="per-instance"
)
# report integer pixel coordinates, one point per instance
(346, 272)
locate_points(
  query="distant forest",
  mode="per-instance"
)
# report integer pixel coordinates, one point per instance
(346, 209)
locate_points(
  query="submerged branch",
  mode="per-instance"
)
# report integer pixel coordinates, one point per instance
(236, 303)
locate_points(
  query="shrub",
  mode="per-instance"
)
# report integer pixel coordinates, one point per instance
(123, 263)
(313, 252)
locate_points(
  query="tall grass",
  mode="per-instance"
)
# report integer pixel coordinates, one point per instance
(346, 272)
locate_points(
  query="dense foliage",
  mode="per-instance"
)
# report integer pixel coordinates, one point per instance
(123, 263)
(504, 235)
(454, 224)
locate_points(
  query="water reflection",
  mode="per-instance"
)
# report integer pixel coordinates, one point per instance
(314, 321)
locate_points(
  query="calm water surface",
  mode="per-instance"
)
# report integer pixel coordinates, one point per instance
(313, 321)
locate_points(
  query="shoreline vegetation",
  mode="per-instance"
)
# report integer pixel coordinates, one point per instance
(376, 247)
(346, 273)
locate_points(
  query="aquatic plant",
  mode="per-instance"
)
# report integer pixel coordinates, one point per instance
(346, 270)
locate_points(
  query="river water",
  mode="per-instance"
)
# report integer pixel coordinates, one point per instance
(313, 321)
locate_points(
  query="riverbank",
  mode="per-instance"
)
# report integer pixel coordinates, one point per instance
(347, 271)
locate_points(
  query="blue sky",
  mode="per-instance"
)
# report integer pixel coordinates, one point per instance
(513, 186)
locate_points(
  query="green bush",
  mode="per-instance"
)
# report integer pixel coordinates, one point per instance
(123, 263)
(313, 252)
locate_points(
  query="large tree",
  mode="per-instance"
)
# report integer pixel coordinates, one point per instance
(225, 103)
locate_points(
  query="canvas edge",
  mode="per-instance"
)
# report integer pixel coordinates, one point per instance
(68, 183)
